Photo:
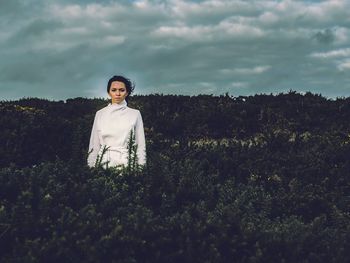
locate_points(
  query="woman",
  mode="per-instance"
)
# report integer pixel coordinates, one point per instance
(113, 125)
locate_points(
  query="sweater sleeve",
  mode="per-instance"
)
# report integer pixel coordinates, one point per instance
(94, 145)
(140, 140)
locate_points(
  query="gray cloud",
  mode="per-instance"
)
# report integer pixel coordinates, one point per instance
(70, 48)
(326, 36)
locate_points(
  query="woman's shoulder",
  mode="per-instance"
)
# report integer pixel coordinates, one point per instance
(134, 113)
(102, 109)
(133, 110)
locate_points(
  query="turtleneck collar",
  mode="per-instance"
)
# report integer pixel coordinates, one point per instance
(118, 106)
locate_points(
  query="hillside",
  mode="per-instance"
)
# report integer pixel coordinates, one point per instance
(264, 178)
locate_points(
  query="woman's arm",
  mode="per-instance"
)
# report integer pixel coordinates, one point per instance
(94, 145)
(140, 140)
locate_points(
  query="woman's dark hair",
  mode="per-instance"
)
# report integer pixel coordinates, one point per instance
(127, 82)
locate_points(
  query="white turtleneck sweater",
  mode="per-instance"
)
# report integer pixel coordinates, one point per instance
(111, 128)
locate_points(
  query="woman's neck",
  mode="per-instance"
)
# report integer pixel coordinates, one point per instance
(119, 103)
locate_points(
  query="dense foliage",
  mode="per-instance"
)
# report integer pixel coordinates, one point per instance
(249, 179)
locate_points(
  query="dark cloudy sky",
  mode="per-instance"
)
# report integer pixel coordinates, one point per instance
(70, 48)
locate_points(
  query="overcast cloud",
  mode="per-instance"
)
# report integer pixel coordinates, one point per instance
(66, 49)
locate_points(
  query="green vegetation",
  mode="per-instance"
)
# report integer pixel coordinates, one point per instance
(249, 179)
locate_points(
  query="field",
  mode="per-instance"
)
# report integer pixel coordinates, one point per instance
(264, 178)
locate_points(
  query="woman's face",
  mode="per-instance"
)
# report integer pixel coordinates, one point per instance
(117, 92)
